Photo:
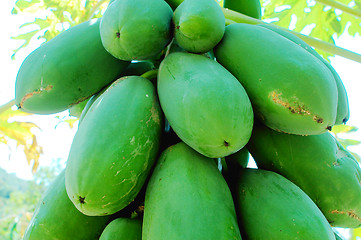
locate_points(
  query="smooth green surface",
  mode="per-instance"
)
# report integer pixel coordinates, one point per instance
(187, 198)
(123, 229)
(136, 29)
(343, 113)
(319, 165)
(205, 105)
(250, 8)
(65, 71)
(198, 25)
(290, 90)
(115, 147)
(271, 207)
(56, 218)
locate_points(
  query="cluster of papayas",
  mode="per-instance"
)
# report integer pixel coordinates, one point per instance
(171, 103)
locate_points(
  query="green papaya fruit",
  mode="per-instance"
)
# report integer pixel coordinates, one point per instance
(136, 29)
(271, 207)
(123, 229)
(205, 105)
(187, 198)
(250, 8)
(343, 113)
(65, 71)
(319, 165)
(115, 147)
(198, 25)
(291, 90)
(56, 218)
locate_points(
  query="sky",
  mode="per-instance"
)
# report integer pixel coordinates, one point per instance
(56, 138)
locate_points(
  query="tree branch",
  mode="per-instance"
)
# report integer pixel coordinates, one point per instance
(7, 105)
(321, 45)
(340, 6)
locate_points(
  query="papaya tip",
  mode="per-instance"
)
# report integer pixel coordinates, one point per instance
(81, 200)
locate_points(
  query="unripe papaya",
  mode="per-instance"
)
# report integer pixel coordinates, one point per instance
(271, 207)
(56, 218)
(66, 70)
(205, 105)
(115, 147)
(123, 229)
(136, 29)
(187, 198)
(199, 25)
(319, 165)
(250, 8)
(343, 113)
(291, 90)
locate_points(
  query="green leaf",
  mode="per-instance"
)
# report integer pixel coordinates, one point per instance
(348, 142)
(41, 23)
(343, 129)
(27, 37)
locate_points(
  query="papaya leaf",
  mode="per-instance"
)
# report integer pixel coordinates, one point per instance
(27, 37)
(343, 129)
(60, 14)
(20, 132)
(348, 142)
(355, 234)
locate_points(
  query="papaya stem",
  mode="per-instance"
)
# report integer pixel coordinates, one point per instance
(229, 22)
(314, 42)
(219, 164)
(151, 74)
(340, 6)
(7, 105)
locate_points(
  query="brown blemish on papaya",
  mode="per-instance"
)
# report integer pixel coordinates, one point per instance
(29, 95)
(117, 34)
(154, 114)
(349, 213)
(299, 109)
(329, 128)
(318, 119)
(225, 143)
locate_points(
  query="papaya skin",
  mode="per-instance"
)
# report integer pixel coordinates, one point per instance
(300, 101)
(250, 8)
(271, 207)
(199, 25)
(130, 29)
(56, 218)
(204, 104)
(343, 111)
(107, 166)
(123, 229)
(183, 188)
(307, 160)
(56, 76)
